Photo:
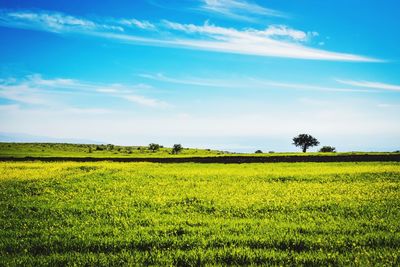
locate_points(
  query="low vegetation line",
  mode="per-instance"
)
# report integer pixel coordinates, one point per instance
(223, 159)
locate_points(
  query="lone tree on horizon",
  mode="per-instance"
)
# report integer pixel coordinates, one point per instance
(305, 141)
(176, 149)
(154, 147)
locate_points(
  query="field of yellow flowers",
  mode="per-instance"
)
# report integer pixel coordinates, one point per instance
(103, 213)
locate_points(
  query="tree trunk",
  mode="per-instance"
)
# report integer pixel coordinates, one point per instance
(304, 149)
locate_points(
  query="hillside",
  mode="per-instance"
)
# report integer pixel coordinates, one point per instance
(96, 151)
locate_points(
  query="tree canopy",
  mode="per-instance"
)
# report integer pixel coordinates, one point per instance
(305, 141)
(154, 147)
(176, 148)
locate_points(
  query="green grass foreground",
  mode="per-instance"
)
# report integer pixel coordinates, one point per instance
(103, 213)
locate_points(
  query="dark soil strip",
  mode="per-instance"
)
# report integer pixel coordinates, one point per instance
(223, 159)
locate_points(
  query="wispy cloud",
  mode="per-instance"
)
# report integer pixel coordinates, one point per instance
(191, 81)
(23, 93)
(145, 101)
(286, 32)
(254, 42)
(53, 21)
(142, 24)
(274, 41)
(246, 82)
(90, 111)
(35, 90)
(299, 86)
(368, 84)
(220, 33)
(238, 9)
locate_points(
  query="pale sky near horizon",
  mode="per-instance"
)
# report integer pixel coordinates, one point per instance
(235, 75)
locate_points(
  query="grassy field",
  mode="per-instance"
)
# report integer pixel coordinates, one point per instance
(106, 213)
(97, 151)
(111, 151)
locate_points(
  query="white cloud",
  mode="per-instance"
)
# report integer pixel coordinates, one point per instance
(284, 31)
(144, 101)
(297, 86)
(238, 9)
(37, 81)
(23, 93)
(368, 84)
(252, 34)
(142, 24)
(107, 90)
(245, 82)
(54, 21)
(255, 42)
(57, 22)
(92, 111)
(275, 41)
(35, 90)
(191, 81)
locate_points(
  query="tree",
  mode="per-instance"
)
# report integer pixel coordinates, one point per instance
(154, 147)
(176, 148)
(305, 141)
(258, 151)
(110, 147)
(327, 149)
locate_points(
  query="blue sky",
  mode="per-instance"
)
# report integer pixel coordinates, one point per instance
(236, 75)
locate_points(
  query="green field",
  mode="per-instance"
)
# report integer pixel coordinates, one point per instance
(112, 151)
(93, 150)
(104, 213)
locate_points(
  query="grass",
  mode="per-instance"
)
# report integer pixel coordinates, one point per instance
(91, 150)
(103, 213)
(111, 151)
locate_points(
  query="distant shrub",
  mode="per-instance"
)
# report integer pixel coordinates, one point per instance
(271, 152)
(90, 150)
(110, 147)
(327, 149)
(258, 151)
(154, 147)
(176, 149)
